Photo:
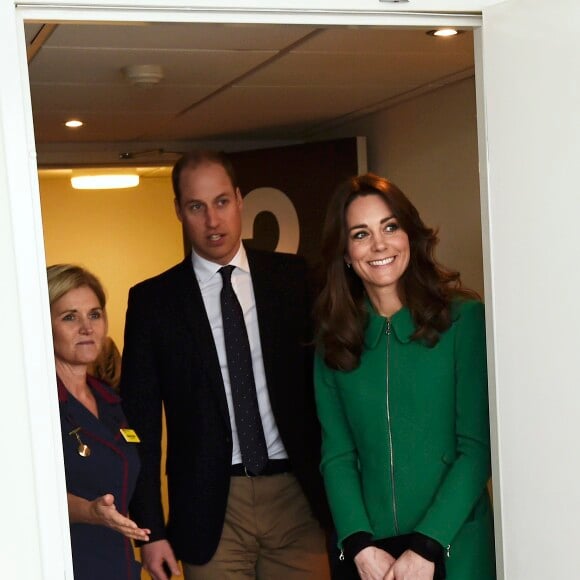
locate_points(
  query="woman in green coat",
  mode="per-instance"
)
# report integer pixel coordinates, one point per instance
(401, 389)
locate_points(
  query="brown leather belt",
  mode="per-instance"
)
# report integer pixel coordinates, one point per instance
(273, 467)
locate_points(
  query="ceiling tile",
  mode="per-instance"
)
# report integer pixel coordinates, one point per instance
(230, 79)
(142, 36)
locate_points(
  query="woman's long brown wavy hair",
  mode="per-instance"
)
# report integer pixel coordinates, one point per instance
(426, 287)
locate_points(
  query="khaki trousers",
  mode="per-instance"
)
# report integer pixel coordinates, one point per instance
(269, 534)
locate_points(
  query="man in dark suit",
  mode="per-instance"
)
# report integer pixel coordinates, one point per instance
(230, 515)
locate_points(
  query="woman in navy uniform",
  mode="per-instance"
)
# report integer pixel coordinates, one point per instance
(100, 454)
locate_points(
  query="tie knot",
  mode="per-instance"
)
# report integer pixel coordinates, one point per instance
(226, 273)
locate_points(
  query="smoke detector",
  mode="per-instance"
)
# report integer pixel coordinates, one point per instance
(143, 75)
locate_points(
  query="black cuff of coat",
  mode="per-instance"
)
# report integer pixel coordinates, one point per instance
(153, 537)
(356, 542)
(425, 546)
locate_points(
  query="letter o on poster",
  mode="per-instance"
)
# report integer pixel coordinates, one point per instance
(279, 204)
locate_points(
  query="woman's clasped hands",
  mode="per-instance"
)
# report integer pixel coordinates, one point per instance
(376, 564)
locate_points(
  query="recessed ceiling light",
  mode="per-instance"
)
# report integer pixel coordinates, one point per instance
(444, 32)
(74, 123)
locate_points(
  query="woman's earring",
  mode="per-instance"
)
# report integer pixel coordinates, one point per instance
(348, 265)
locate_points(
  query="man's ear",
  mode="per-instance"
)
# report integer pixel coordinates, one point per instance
(177, 209)
(239, 197)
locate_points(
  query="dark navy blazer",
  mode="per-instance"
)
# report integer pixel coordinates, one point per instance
(170, 361)
(112, 467)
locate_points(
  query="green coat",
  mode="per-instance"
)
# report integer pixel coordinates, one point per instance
(406, 438)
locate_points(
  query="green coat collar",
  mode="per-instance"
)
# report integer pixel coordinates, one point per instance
(401, 323)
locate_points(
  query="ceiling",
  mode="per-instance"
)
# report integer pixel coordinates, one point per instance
(222, 83)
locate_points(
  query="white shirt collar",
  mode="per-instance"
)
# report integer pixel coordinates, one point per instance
(206, 269)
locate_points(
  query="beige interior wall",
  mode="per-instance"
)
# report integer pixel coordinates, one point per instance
(122, 235)
(428, 147)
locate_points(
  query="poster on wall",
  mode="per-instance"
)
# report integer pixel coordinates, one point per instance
(286, 191)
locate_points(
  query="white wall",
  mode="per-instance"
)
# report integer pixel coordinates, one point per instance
(529, 76)
(428, 147)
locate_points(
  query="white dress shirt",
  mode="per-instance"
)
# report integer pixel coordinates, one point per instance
(210, 284)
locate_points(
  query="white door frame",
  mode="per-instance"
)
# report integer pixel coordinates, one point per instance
(26, 254)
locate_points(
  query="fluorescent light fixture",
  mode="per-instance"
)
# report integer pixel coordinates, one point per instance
(444, 32)
(74, 124)
(105, 181)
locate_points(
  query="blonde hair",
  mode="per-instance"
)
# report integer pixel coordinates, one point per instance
(63, 278)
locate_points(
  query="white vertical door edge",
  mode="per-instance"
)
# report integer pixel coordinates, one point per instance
(487, 242)
(45, 548)
(528, 78)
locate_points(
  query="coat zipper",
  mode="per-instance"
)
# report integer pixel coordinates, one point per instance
(390, 434)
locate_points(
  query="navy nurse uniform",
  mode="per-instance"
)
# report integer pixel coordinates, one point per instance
(112, 467)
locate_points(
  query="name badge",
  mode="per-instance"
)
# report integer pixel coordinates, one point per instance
(130, 436)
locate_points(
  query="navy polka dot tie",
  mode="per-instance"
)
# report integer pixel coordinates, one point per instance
(246, 411)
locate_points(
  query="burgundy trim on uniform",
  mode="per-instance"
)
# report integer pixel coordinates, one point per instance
(105, 394)
(108, 397)
(61, 389)
(124, 492)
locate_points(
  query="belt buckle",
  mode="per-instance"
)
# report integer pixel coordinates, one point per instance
(248, 474)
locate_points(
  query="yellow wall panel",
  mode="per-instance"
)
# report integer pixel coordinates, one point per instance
(121, 235)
